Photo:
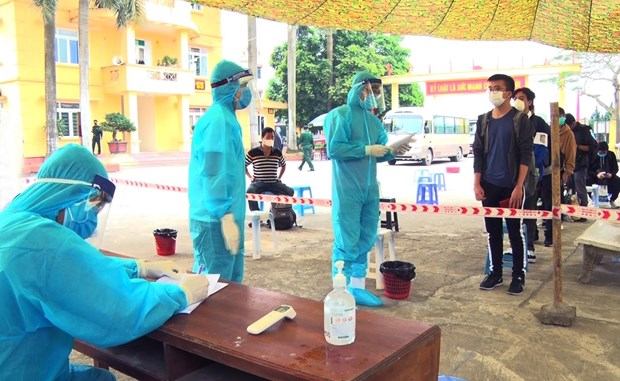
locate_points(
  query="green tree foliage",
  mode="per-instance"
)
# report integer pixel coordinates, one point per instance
(353, 51)
(116, 122)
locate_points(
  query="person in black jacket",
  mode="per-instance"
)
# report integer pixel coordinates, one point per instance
(524, 101)
(585, 142)
(606, 172)
(501, 164)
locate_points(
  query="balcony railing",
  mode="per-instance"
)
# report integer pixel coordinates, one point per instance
(147, 79)
(170, 12)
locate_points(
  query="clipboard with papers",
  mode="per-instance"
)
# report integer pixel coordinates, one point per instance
(395, 141)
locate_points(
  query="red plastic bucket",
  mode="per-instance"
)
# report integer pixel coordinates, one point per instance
(397, 277)
(396, 287)
(165, 241)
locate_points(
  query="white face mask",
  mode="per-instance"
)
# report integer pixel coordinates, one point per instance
(268, 143)
(496, 99)
(519, 104)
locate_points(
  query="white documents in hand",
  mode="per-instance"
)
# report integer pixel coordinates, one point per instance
(214, 286)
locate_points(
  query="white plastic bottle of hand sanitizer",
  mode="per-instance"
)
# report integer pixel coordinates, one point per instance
(339, 312)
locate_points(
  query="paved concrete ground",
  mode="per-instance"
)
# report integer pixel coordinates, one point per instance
(485, 335)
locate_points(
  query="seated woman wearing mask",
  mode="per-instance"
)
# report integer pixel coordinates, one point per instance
(56, 287)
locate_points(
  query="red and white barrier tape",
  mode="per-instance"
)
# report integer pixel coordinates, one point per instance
(143, 184)
(570, 210)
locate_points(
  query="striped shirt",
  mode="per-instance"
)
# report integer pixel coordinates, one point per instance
(265, 168)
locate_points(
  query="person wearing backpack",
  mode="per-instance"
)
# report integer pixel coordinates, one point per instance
(524, 101)
(503, 160)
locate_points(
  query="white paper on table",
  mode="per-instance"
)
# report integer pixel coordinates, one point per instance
(214, 286)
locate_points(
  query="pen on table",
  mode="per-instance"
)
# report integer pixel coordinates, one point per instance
(199, 269)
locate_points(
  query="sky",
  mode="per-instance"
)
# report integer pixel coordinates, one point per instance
(432, 55)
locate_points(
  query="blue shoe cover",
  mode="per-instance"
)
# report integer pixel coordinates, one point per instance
(365, 298)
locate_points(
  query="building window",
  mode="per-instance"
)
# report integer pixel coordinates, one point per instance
(194, 114)
(143, 52)
(259, 72)
(66, 46)
(198, 61)
(196, 7)
(70, 113)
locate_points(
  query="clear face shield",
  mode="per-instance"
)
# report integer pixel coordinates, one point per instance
(375, 100)
(98, 204)
(88, 218)
(247, 94)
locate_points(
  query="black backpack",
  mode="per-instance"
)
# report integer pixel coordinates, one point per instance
(284, 217)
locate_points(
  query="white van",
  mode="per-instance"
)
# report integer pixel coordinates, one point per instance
(435, 136)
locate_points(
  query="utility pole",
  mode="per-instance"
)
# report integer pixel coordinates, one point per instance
(292, 85)
(330, 59)
(253, 66)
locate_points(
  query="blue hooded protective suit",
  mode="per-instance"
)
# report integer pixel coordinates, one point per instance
(217, 179)
(55, 287)
(355, 192)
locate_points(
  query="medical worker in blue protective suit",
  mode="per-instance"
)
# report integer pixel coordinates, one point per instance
(217, 176)
(356, 143)
(56, 287)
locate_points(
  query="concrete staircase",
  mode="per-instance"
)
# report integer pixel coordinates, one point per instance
(116, 162)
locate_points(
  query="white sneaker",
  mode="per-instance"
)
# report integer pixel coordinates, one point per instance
(531, 257)
(613, 205)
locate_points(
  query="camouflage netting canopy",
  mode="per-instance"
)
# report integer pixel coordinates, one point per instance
(581, 25)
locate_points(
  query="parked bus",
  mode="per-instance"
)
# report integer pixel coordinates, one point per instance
(435, 136)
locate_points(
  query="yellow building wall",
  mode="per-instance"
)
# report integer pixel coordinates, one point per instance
(168, 126)
(22, 72)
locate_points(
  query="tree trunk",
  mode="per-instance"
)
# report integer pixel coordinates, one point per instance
(617, 114)
(253, 66)
(49, 28)
(84, 56)
(292, 86)
(330, 60)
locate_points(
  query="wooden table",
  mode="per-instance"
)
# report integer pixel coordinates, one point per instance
(212, 343)
(600, 239)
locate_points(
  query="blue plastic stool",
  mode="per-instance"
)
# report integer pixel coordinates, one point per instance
(507, 257)
(429, 188)
(424, 179)
(299, 191)
(440, 180)
(260, 203)
(421, 172)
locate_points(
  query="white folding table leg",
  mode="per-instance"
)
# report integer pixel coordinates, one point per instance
(391, 246)
(273, 233)
(379, 259)
(256, 235)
